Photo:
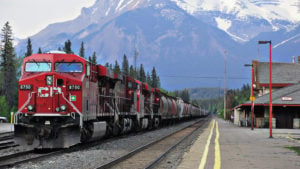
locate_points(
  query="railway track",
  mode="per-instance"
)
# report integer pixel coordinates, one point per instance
(6, 136)
(7, 140)
(149, 155)
(32, 155)
(7, 144)
(35, 155)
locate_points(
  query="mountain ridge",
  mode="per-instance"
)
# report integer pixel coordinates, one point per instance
(169, 38)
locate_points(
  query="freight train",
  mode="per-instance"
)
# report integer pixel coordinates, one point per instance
(65, 100)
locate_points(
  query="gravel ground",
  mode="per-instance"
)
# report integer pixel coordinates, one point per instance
(103, 153)
(174, 158)
(12, 150)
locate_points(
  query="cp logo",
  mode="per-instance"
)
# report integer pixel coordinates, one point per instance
(48, 91)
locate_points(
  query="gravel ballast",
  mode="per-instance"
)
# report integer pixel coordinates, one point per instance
(103, 153)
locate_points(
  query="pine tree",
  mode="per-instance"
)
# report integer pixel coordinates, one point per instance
(125, 65)
(107, 64)
(68, 48)
(40, 51)
(4, 109)
(8, 69)
(117, 68)
(185, 95)
(148, 78)
(137, 74)
(94, 58)
(131, 71)
(176, 93)
(154, 81)
(90, 59)
(29, 48)
(59, 49)
(158, 82)
(81, 51)
(142, 74)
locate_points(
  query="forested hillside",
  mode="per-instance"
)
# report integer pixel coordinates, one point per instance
(205, 92)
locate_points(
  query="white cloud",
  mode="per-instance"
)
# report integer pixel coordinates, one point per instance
(27, 17)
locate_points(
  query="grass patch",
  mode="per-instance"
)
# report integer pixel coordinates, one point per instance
(296, 149)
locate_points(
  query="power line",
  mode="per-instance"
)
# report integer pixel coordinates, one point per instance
(203, 77)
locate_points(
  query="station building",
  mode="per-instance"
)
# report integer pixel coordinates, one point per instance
(285, 97)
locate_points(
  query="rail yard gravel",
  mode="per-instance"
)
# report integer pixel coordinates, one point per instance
(12, 150)
(103, 153)
(173, 159)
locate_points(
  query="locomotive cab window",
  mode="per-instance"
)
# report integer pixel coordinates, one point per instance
(68, 67)
(37, 67)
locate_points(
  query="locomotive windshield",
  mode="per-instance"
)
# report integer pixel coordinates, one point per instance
(37, 67)
(68, 67)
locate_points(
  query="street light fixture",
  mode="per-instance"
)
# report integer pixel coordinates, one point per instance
(251, 97)
(270, 84)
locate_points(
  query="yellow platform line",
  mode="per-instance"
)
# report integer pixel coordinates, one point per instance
(205, 153)
(291, 138)
(217, 164)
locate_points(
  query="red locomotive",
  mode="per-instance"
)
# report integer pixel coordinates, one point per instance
(64, 100)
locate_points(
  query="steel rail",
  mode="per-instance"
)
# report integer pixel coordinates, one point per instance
(143, 147)
(7, 144)
(14, 159)
(6, 136)
(161, 157)
(7, 161)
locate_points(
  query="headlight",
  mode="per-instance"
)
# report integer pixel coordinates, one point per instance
(57, 109)
(25, 87)
(74, 87)
(49, 80)
(63, 107)
(30, 107)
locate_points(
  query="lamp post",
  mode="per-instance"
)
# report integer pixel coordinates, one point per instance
(270, 84)
(225, 99)
(251, 97)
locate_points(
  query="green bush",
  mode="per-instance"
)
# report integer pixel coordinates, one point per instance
(4, 108)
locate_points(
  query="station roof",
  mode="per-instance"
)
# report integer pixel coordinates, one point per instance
(287, 96)
(282, 73)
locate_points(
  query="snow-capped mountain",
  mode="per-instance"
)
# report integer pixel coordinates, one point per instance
(187, 38)
(245, 19)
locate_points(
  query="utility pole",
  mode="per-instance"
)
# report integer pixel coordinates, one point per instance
(270, 85)
(252, 98)
(136, 54)
(225, 107)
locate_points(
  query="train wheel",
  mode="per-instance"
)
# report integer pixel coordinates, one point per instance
(116, 130)
(156, 122)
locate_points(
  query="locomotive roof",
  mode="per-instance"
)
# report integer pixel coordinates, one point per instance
(54, 56)
(103, 71)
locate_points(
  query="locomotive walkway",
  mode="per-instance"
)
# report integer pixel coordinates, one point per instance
(223, 145)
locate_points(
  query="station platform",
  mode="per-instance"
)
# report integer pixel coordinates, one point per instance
(223, 145)
(6, 127)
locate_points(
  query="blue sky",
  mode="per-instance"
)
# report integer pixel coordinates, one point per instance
(28, 17)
